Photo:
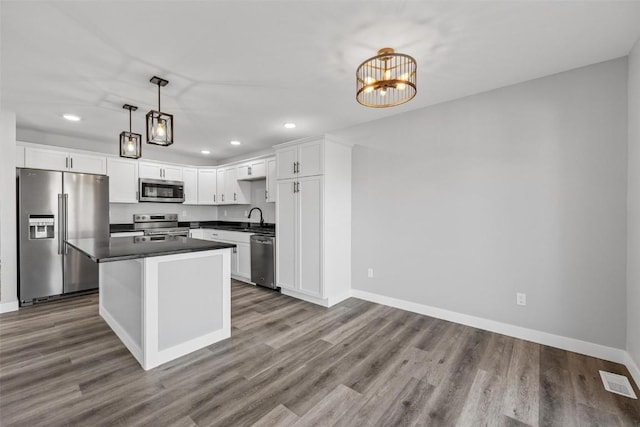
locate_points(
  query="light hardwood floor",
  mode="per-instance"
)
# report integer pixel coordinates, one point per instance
(293, 363)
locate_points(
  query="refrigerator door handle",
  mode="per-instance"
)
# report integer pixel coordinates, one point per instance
(60, 226)
(66, 221)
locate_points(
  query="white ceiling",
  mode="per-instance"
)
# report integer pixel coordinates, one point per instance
(240, 69)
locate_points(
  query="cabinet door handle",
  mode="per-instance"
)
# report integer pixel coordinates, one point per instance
(71, 162)
(235, 197)
(249, 170)
(223, 197)
(294, 167)
(266, 195)
(214, 198)
(66, 163)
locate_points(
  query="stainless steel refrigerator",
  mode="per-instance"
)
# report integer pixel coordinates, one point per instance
(52, 207)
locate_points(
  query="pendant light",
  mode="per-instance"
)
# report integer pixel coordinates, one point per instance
(130, 143)
(386, 80)
(159, 124)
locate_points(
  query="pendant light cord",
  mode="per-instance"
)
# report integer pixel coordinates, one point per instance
(129, 120)
(159, 110)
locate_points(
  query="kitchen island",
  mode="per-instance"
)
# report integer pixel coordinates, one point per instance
(163, 297)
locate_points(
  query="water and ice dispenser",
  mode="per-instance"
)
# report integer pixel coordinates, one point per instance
(41, 227)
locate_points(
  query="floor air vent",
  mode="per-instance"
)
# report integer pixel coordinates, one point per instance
(618, 384)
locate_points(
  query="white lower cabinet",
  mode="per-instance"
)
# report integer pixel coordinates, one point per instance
(299, 231)
(240, 255)
(313, 217)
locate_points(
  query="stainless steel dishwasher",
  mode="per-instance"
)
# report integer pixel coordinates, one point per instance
(263, 260)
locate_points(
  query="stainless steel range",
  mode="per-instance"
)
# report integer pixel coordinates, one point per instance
(158, 226)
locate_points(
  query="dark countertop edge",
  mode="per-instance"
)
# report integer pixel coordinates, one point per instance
(219, 245)
(155, 254)
(229, 225)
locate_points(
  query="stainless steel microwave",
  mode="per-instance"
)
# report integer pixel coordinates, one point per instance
(160, 190)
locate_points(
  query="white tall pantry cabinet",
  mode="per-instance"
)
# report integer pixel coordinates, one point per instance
(313, 213)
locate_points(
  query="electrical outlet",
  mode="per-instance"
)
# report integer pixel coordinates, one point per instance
(521, 299)
(370, 273)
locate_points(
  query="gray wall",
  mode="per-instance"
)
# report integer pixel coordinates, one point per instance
(521, 189)
(633, 220)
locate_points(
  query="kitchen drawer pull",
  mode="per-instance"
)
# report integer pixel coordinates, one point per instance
(66, 162)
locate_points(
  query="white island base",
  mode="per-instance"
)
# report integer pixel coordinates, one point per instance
(164, 307)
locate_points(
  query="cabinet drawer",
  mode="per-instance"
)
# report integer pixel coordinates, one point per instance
(212, 235)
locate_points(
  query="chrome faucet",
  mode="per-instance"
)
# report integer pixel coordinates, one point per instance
(259, 210)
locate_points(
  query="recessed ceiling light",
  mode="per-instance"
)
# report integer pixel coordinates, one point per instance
(71, 117)
(290, 125)
(234, 142)
(205, 151)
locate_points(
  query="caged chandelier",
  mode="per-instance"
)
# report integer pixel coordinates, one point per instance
(386, 80)
(159, 124)
(130, 143)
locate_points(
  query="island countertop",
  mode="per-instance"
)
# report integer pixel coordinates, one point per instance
(122, 248)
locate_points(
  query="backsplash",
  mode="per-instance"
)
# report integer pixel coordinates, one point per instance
(122, 213)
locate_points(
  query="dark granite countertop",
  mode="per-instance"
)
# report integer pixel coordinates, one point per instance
(245, 227)
(122, 248)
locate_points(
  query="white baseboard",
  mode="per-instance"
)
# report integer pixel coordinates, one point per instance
(6, 307)
(633, 369)
(571, 344)
(305, 297)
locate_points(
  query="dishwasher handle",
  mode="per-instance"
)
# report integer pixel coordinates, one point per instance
(265, 240)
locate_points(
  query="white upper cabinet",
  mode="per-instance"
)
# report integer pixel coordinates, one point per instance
(220, 187)
(270, 195)
(40, 158)
(172, 173)
(286, 162)
(255, 169)
(150, 170)
(231, 191)
(190, 178)
(207, 192)
(43, 158)
(236, 192)
(160, 171)
(87, 163)
(123, 180)
(303, 159)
